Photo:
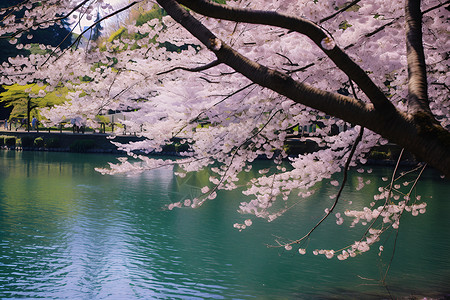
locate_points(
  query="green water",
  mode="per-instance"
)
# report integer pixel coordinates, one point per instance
(67, 232)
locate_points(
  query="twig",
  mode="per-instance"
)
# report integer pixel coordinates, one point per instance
(78, 39)
(339, 11)
(52, 20)
(396, 235)
(224, 176)
(195, 69)
(344, 180)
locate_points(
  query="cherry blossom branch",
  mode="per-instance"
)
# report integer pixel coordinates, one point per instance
(392, 124)
(401, 214)
(102, 19)
(331, 103)
(12, 10)
(384, 26)
(388, 197)
(114, 169)
(224, 99)
(344, 180)
(339, 11)
(78, 39)
(51, 20)
(441, 84)
(374, 235)
(13, 6)
(215, 104)
(435, 7)
(302, 26)
(288, 59)
(195, 69)
(302, 69)
(225, 176)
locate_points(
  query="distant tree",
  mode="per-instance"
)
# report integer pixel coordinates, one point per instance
(26, 99)
(97, 30)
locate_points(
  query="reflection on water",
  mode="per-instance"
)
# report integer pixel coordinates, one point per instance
(70, 233)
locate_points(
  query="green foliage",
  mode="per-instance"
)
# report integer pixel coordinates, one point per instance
(82, 145)
(174, 48)
(344, 25)
(35, 49)
(154, 13)
(96, 31)
(380, 155)
(38, 142)
(140, 17)
(10, 141)
(52, 143)
(17, 96)
(102, 119)
(86, 78)
(117, 34)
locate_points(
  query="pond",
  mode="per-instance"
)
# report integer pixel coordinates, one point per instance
(68, 232)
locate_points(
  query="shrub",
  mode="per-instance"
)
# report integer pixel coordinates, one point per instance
(82, 145)
(52, 143)
(2, 140)
(38, 142)
(27, 141)
(379, 155)
(10, 141)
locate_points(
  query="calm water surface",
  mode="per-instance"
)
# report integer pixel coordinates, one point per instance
(67, 232)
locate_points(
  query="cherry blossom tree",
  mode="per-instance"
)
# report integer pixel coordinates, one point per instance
(239, 75)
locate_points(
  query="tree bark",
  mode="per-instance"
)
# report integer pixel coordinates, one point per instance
(417, 77)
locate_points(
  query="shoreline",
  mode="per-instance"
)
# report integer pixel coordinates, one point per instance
(100, 143)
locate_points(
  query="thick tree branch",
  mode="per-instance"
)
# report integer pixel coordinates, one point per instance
(328, 102)
(430, 145)
(303, 26)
